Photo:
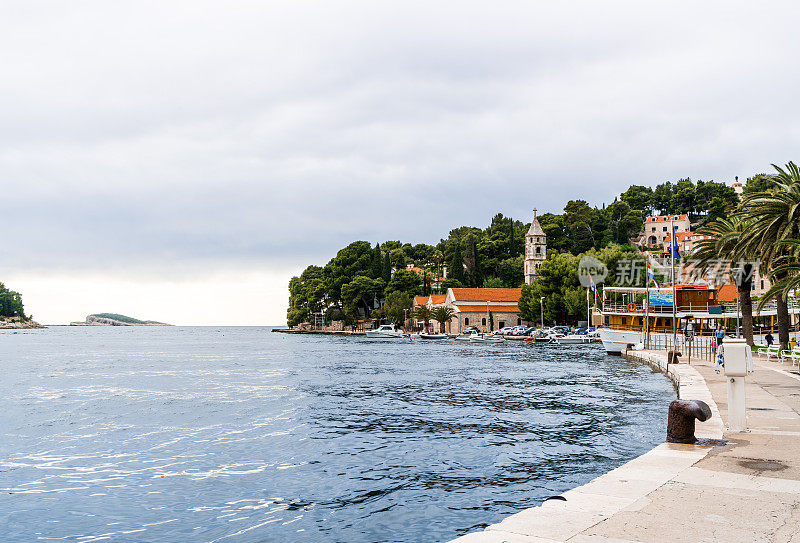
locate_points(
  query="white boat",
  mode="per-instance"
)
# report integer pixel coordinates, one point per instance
(434, 336)
(385, 331)
(486, 338)
(573, 339)
(467, 337)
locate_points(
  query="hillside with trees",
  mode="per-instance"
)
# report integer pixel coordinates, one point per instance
(359, 281)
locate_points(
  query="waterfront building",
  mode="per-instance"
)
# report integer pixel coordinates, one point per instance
(487, 309)
(535, 249)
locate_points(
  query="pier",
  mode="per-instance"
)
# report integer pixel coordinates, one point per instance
(727, 487)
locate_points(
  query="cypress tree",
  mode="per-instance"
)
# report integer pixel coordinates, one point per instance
(377, 263)
(387, 267)
(457, 265)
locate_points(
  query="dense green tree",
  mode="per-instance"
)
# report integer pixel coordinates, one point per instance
(639, 198)
(405, 281)
(451, 283)
(557, 277)
(306, 295)
(396, 302)
(361, 293)
(512, 272)
(10, 303)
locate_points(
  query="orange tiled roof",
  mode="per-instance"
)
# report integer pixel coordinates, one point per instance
(420, 300)
(466, 308)
(438, 298)
(666, 218)
(486, 294)
(727, 293)
(683, 236)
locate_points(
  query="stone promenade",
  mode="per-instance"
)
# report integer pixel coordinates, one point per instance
(731, 487)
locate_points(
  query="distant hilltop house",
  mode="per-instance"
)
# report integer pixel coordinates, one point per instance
(657, 228)
(484, 308)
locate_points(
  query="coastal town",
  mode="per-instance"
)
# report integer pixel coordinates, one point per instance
(673, 273)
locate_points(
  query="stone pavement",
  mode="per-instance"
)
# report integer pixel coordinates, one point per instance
(742, 487)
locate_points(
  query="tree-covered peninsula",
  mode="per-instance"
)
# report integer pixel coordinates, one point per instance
(359, 281)
(12, 311)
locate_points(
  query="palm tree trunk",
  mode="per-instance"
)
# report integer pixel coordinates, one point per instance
(746, 303)
(783, 322)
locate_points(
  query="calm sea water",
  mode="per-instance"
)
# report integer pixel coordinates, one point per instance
(239, 434)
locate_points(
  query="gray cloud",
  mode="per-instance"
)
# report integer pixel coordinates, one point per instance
(161, 136)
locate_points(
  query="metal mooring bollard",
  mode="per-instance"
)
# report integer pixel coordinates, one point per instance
(680, 421)
(673, 356)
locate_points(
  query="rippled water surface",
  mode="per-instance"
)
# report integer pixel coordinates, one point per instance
(239, 434)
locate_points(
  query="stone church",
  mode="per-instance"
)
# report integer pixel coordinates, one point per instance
(535, 249)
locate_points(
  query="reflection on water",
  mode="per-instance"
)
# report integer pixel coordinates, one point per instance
(237, 434)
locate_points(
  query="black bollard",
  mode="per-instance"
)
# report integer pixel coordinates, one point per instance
(673, 356)
(680, 421)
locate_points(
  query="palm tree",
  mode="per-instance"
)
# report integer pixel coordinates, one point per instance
(423, 313)
(442, 315)
(774, 216)
(721, 246)
(789, 267)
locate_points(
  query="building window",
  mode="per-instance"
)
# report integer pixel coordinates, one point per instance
(466, 322)
(519, 322)
(483, 321)
(664, 228)
(502, 324)
(538, 250)
(762, 284)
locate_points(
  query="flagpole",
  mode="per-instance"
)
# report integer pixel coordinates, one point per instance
(588, 311)
(647, 303)
(673, 242)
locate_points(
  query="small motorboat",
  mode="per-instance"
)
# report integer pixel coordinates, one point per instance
(433, 336)
(467, 337)
(486, 338)
(573, 339)
(385, 331)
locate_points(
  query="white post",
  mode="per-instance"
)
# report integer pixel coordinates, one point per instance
(738, 363)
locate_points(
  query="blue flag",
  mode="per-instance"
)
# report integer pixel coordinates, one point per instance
(674, 247)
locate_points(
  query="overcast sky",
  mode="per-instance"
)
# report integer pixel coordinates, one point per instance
(179, 161)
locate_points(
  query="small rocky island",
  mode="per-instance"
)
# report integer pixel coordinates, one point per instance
(114, 319)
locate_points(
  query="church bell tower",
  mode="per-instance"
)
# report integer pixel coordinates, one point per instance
(535, 249)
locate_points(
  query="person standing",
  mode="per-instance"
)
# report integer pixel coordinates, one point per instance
(769, 339)
(719, 357)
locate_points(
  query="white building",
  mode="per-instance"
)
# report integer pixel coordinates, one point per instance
(535, 250)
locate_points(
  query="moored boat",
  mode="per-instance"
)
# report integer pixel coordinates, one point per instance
(433, 336)
(385, 331)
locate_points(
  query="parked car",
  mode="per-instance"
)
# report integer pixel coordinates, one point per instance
(562, 329)
(518, 330)
(529, 331)
(469, 330)
(504, 331)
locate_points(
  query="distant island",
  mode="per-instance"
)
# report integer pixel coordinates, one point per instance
(115, 319)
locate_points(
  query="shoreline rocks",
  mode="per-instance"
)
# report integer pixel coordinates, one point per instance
(17, 323)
